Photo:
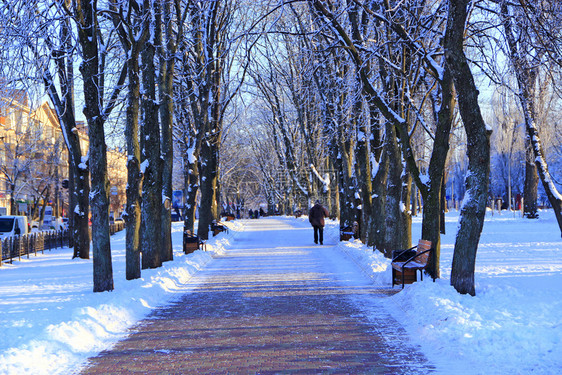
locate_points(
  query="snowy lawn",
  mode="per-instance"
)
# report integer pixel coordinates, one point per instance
(512, 325)
(51, 322)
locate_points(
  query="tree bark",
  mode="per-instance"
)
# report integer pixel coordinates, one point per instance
(79, 187)
(405, 238)
(478, 148)
(93, 73)
(166, 85)
(206, 216)
(393, 218)
(208, 50)
(132, 39)
(134, 176)
(381, 169)
(151, 230)
(191, 179)
(530, 190)
(88, 32)
(345, 169)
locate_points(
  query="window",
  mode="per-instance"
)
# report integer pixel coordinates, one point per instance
(6, 224)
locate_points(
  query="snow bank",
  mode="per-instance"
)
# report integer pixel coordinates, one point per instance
(51, 321)
(512, 325)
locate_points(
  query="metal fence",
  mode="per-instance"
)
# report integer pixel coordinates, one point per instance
(16, 247)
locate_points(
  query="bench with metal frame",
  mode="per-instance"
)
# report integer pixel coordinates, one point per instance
(192, 242)
(407, 263)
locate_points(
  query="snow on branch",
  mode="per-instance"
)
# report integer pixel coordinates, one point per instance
(324, 180)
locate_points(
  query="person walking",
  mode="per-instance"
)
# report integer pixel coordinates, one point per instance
(316, 217)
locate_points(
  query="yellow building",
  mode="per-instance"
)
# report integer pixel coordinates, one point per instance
(34, 157)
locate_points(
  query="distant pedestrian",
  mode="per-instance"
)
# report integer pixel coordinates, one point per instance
(256, 214)
(316, 217)
(250, 214)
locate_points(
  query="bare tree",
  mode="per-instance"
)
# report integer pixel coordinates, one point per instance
(132, 24)
(207, 60)
(423, 53)
(173, 33)
(151, 164)
(478, 137)
(527, 49)
(94, 52)
(46, 44)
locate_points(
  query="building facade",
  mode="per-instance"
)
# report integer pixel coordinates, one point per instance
(34, 159)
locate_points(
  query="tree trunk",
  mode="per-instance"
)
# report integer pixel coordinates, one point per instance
(207, 191)
(215, 171)
(530, 193)
(406, 214)
(347, 192)
(191, 179)
(72, 203)
(81, 211)
(376, 226)
(151, 230)
(79, 187)
(364, 178)
(86, 14)
(432, 192)
(166, 85)
(133, 33)
(478, 149)
(99, 201)
(551, 192)
(393, 235)
(443, 208)
(414, 202)
(134, 177)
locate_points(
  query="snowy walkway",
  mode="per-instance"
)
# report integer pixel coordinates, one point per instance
(274, 303)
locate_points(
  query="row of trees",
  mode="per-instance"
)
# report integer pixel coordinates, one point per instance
(358, 102)
(143, 65)
(355, 101)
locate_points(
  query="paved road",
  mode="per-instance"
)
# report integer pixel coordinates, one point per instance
(275, 303)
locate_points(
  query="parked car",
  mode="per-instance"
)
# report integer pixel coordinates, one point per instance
(56, 223)
(13, 225)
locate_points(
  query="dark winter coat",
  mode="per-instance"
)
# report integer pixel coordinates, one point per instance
(317, 214)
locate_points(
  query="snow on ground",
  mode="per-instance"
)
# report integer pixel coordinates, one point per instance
(51, 321)
(512, 325)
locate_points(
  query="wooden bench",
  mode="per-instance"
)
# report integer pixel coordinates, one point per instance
(349, 232)
(217, 228)
(346, 234)
(407, 263)
(191, 242)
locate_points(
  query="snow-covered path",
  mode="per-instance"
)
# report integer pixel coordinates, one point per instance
(273, 302)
